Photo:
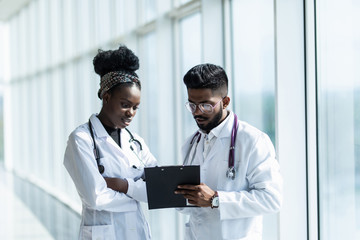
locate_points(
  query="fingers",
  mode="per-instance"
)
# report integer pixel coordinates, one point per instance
(185, 192)
(188, 187)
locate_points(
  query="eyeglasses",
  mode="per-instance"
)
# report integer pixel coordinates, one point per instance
(204, 107)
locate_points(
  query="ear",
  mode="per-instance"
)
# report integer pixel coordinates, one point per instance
(106, 97)
(226, 102)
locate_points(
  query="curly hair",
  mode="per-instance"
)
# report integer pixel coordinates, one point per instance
(121, 59)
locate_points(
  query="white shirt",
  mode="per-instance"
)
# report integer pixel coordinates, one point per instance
(206, 224)
(256, 189)
(108, 214)
(210, 138)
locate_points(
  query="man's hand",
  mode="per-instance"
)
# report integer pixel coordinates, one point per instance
(199, 195)
(117, 184)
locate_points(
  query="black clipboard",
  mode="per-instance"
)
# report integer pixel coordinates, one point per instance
(161, 183)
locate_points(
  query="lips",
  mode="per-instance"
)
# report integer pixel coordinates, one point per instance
(200, 120)
(126, 121)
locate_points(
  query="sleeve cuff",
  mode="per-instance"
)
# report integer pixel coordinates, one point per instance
(137, 190)
(130, 190)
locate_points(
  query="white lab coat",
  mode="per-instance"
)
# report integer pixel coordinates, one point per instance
(107, 214)
(256, 190)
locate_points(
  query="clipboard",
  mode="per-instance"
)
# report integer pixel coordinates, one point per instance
(161, 183)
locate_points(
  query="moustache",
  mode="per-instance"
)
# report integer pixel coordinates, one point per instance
(200, 118)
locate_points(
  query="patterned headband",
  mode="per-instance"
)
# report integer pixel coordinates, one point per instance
(111, 79)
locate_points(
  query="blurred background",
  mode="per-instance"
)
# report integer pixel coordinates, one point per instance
(294, 73)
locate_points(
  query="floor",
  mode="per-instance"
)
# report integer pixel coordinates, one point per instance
(26, 212)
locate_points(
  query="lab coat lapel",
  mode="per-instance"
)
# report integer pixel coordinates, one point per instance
(102, 136)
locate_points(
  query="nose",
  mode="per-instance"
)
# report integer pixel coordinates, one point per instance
(130, 112)
(197, 111)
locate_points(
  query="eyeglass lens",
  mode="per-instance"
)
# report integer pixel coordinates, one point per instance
(204, 107)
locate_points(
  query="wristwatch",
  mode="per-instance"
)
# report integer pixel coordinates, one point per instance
(215, 200)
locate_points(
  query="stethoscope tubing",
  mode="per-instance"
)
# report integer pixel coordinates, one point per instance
(231, 163)
(96, 150)
(230, 173)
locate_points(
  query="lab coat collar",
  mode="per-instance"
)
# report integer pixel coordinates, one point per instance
(228, 125)
(100, 131)
(102, 134)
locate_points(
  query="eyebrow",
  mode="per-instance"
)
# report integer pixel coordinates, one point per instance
(200, 102)
(126, 100)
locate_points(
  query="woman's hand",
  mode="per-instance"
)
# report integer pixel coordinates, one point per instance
(117, 184)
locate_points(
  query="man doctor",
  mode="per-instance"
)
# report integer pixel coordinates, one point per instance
(240, 175)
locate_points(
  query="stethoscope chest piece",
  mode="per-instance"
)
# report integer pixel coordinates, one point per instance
(230, 173)
(101, 168)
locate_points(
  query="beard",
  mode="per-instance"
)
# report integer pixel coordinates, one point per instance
(212, 124)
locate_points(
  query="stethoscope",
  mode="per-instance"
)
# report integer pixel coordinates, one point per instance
(133, 141)
(230, 173)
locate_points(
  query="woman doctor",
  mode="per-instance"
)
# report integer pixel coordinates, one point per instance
(105, 160)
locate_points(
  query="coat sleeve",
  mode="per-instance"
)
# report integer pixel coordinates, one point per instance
(264, 193)
(137, 187)
(80, 162)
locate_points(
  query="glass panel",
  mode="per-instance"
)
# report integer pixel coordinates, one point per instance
(102, 21)
(150, 85)
(56, 34)
(31, 39)
(68, 28)
(42, 12)
(148, 10)
(118, 25)
(1, 126)
(191, 52)
(57, 119)
(3, 72)
(254, 73)
(83, 32)
(338, 48)
(254, 65)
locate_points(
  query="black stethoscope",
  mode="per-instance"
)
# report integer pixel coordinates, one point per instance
(132, 141)
(230, 173)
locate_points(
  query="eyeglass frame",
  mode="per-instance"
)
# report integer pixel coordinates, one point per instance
(200, 106)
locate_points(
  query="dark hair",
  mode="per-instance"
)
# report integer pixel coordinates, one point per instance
(122, 59)
(207, 76)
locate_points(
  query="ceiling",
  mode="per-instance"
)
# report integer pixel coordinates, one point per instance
(10, 7)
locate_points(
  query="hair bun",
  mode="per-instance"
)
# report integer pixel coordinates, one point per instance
(122, 59)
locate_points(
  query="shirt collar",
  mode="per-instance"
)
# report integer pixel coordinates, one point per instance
(217, 130)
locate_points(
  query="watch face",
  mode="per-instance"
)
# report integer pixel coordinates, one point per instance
(215, 202)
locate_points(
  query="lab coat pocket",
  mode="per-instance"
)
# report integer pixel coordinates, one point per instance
(101, 232)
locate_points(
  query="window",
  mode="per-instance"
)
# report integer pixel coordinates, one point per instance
(254, 72)
(338, 75)
(150, 105)
(191, 52)
(254, 63)
(148, 12)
